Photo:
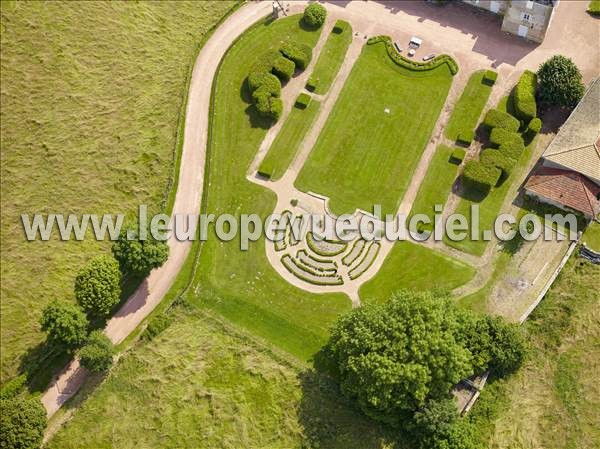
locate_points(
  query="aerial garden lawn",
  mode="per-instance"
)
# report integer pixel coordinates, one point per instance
(288, 140)
(375, 134)
(108, 146)
(331, 57)
(414, 266)
(242, 285)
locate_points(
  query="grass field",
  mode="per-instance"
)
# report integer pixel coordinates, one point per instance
(437, 183)
(212, 388)
(331, 58)
(410, 265)
(242, 285)
(553, 401)
(591, 236)
(364, 155)
(288, 140)
(92, 94)
(466, 113)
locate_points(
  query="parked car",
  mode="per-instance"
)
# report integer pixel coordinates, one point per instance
(398, 47)
(429, 57)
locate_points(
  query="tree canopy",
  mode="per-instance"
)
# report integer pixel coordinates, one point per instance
(560, 82)
(139, 257)
(98, 285)
(65, 323)
(394, 357)
(315, 15)
(97, 354)
(22, 423)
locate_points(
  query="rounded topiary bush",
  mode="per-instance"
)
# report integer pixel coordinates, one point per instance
(315, 15)
(535, 126)
(283, 68)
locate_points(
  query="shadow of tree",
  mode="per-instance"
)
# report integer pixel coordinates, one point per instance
(331, 421)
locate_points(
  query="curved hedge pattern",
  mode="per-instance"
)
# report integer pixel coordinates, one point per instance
(324, 247)
(414, 65)
(301, 273)
(366, 262)
(355, 252)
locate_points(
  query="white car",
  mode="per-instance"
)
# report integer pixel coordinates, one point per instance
(398, 47)
(429, 57)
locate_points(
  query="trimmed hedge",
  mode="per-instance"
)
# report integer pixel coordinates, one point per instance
(499, 160)
(498, 119)
(458, 155)
(303, 101)
(534, 127)
(409, 63)
(466, 137)
(312, 83)
(480, 177)
(500, 136)
(524, 96)
(301, 54)
(315, 15)
(340, 26)
(283, 68)
(264, 64)
(490, 77)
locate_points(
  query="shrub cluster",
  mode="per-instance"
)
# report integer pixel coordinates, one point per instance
(315, 15)
(301, 54)
(409, 63)
(480, 177)
(534, 127)
(283, 68)
(303, 101)
(497, 159)
(490, 77)
(98, 286)
(499, 119)
(524, 96)
(156, 326)
(312, 83)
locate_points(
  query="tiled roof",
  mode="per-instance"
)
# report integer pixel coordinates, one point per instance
(566, 187)
(576, 146)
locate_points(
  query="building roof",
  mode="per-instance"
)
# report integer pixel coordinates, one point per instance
(577, 144)
(566, 187)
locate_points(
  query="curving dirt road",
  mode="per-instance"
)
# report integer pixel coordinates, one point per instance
(189, 193)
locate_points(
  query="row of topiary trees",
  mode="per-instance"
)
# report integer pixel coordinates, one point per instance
(399, 361)
(558, 82)
(277, 66)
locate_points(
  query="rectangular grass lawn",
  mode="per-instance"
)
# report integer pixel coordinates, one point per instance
(413, 266)
(467, 110)
(332, 56)
(375, 134)
(437, 183)
(286, 144)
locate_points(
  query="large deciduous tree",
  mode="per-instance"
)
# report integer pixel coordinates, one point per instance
(560, 82)
(22, 423)
(65, 323)
(393, 358)
(139, 257)
(97, 354)
(98, 286)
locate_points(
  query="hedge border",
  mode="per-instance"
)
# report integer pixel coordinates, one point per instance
(337, 278)
(414, 65)
(310, 242)
(352, 275)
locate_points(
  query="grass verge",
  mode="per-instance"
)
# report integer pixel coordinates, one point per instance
(332, 56)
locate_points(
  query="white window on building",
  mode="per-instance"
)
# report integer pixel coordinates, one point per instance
(529, 4)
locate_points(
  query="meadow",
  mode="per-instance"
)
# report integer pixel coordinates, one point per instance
(92, 98)
(375, 134)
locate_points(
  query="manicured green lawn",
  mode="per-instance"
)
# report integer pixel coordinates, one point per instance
(199, 385)
(331, 58)
(413, 266)
(242, 285)
(437, 183)
(288, 140)
(467, 110)
(365, 155)
(591, 236)
(92, 97)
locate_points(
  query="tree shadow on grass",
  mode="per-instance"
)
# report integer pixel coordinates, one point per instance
(331, 421)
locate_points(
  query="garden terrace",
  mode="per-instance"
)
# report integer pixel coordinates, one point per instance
(364, 154)
(331, 57)
(306, 273)
(356, 251)
(324, 247)
(319, 264)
